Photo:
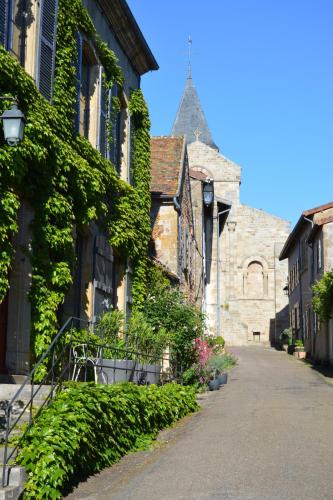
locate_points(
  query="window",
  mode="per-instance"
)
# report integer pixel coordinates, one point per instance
(46, 51)
(319, 255)
(87, 74)
(104, 103)
(12, 27)
(114, 153)
(304, 254)
(255, 280)
(103, 271)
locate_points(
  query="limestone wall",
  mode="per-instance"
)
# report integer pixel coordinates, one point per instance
(244, 297)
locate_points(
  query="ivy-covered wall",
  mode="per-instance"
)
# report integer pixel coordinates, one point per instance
(66, 180)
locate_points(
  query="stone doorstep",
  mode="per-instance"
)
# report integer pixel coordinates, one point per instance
(16, 479)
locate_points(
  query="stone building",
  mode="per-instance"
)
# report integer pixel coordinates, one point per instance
(173, 242)
(244, 279)
(309, 250)
(28, 31)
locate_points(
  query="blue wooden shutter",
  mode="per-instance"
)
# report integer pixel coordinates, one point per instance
(4, 20)
(47, 40)
(78, 66)
(102, 114)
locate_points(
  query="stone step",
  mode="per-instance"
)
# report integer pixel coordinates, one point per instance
(16, 477)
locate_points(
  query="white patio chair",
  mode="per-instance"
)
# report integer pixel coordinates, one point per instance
(83, 355)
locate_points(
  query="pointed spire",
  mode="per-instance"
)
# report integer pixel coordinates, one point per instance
(190, 119)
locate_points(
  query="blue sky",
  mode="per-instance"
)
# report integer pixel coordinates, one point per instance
(263, 70)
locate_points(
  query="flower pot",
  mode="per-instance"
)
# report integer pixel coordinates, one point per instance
(222, 378)
(213, 385)
(300, 354)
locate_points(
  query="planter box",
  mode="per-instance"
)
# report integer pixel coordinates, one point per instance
(126, 370)
(300, 354)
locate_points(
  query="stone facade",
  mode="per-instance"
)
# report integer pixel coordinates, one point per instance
(242, 294)
(173, 241)
(101, 279)
(309, 250)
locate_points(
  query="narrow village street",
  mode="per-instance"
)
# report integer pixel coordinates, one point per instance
(268, 434)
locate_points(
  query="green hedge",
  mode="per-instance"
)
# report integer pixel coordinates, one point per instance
(88, 427)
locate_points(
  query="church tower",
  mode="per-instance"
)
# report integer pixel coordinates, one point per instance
(190, 119)
(244, 280)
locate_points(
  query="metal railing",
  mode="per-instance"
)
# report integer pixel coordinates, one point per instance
(68, 359)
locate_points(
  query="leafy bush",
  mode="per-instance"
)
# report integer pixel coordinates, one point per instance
(143, 338)
(323, 296)
(110, 325)
(286, 336)
(166, 308)
(88, 427)
(299, 343)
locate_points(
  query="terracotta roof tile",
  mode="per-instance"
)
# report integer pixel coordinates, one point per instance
(166, 158)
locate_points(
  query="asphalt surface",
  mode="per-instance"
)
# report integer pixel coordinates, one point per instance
(268, 434)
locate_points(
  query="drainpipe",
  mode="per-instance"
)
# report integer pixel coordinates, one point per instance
(218, 312)
(179, 211)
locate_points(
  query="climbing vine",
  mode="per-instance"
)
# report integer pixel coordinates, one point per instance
(323, 296)
(66, 181)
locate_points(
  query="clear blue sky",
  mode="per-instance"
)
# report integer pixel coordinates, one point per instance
(264, 73)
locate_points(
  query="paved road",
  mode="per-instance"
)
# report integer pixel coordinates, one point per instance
(268, 434)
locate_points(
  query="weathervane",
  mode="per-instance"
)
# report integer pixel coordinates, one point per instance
(189, 56)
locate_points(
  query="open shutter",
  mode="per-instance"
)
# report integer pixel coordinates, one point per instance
(78, 66)
(102, 114)
(4, 15)
(47, 40)
(102, 277)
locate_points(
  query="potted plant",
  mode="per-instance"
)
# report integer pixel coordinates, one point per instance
(299, 351)
(218, 366)
(286, 339)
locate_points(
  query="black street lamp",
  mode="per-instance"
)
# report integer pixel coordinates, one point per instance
(13, 124)
(208, 192)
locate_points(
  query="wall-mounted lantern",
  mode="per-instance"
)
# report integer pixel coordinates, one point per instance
(208, 192)
(13, 124)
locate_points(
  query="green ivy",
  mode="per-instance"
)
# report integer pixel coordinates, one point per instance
(65, 180)
(89, 427)
(322, 300)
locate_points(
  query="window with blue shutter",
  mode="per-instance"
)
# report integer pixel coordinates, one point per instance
(47, 41)
(13, 16)
(103, 111)
(4, 21)
(114, 146)
(78, 66)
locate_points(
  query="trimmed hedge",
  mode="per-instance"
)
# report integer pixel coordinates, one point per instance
(88, 427)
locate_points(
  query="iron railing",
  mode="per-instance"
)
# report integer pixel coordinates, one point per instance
(70, 359)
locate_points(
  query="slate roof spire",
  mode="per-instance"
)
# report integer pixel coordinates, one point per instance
(190, 119)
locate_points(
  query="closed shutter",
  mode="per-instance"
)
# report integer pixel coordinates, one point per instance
(78, 66)
(102, 115)
(4, 16)
(48, 23)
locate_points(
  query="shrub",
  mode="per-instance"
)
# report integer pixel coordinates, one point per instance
(88, 427)
(110, 325)
(220, 363)
(286, 336)
(322, 300)
(142, 337)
